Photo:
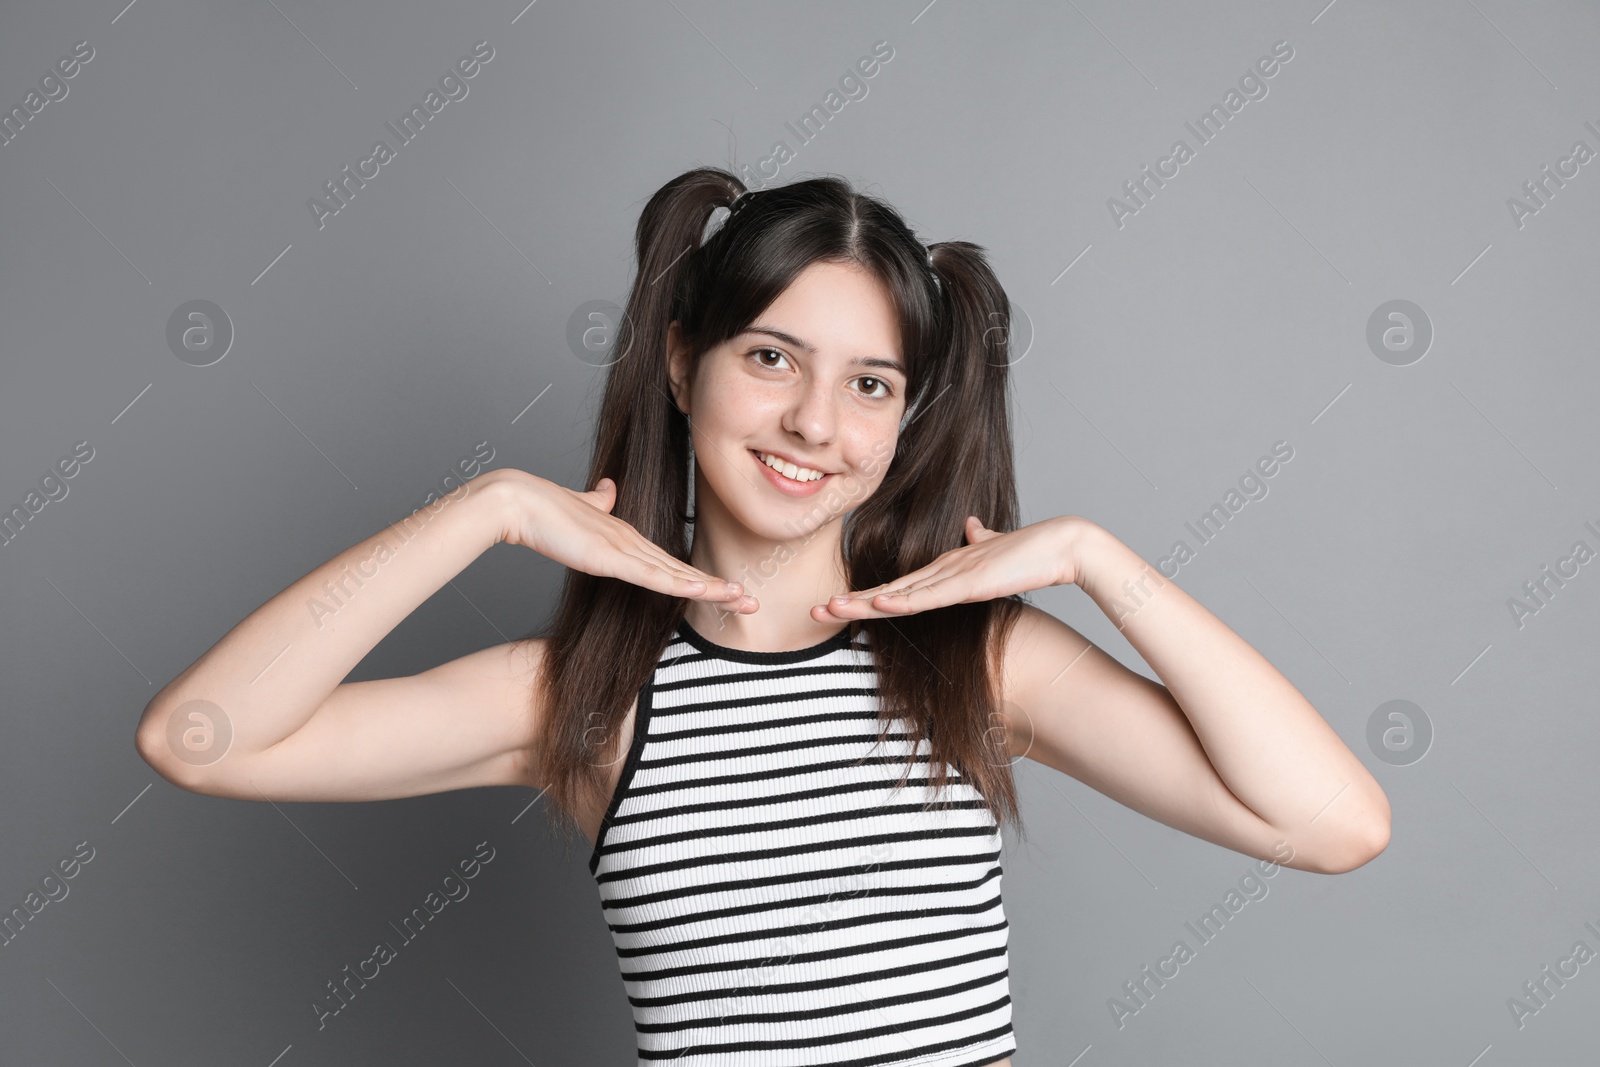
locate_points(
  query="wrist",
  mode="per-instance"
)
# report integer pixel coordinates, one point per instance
(504, 495)
(1083, 546)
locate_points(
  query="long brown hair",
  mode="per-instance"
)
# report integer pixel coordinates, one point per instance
(953, 459)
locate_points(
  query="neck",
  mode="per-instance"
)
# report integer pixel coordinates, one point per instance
(788, 577)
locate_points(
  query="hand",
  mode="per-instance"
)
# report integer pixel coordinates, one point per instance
(578, 530)
(990, 565)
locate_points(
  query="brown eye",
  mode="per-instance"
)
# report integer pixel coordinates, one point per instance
(758, 353)
(887, 391)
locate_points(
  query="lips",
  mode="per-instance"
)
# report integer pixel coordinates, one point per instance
(785, 484)
(782, 460)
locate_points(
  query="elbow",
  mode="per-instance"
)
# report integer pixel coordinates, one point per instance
(1378, 837)
(147, 741)
(1364, 845)
(151, 747)
(150, 741)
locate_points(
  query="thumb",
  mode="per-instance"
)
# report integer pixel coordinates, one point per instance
(605, 490)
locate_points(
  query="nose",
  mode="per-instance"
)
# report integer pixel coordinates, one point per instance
(812, 415)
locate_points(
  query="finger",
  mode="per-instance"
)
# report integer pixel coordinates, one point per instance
(820, 613)
(881, 607)
(856, 611)
(647, 572)
(849, 606)
(653, 576)
(628, 539)
(717, 588)
(722, 592)
(936, 594)
(904, 581)
(701, 586)
(931, 573)
(865, 605)
(746, 605)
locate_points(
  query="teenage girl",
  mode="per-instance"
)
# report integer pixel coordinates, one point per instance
(788, 740)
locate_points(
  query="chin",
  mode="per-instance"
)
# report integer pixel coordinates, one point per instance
(800, 520)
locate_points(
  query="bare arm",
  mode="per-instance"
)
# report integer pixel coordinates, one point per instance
(283, 665)
(265, 713)
(1227, 749)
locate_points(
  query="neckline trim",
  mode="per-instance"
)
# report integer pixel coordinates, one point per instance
(743, 655)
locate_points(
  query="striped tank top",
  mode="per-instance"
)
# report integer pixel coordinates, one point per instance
(775, 901)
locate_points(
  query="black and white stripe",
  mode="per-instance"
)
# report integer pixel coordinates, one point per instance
(774, 899)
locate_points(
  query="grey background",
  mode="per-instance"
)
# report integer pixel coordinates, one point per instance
(1229, 313)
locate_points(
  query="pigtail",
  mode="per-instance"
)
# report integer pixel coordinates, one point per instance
(954, 459)
(642, 443)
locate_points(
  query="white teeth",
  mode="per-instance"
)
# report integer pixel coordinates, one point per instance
(789, 470)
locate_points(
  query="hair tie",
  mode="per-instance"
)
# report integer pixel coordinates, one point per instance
(720, 216)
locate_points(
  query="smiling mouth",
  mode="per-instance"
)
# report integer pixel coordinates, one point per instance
(801, 475)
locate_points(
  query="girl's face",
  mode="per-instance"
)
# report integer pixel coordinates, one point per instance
(818, 381)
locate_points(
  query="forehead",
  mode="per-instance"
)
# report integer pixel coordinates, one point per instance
(838, 310)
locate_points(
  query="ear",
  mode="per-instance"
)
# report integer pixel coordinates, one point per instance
(677, 367)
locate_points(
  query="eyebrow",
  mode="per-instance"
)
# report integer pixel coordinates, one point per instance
(859, 361)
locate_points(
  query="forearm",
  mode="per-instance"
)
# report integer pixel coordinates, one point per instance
(1268, 744)
(271, 672)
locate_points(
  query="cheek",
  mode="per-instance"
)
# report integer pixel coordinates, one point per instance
(739, 406)
(873, 445)
(869, 456)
